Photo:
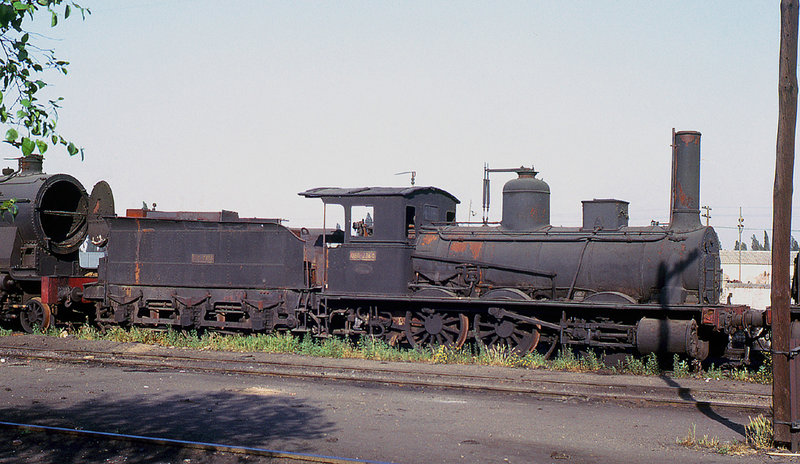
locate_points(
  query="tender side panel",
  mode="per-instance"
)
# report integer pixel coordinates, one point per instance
(199, 254)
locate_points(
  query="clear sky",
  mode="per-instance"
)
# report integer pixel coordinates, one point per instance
(205, 105)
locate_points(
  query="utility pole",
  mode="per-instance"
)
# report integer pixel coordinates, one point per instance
(741, 228)
(785, 414)
(707, 214)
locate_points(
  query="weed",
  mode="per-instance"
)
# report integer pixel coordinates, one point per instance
(651, 365)
(630, 365)
(590, 362)
(565, 361)
(758, 433)
(713, 443)
(764, 372)
(680, 367)
(714, 373)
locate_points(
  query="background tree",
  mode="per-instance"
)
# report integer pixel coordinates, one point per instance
(766, 241)
(793, 246)
(755, 245)
(31, 118)
(740, 245)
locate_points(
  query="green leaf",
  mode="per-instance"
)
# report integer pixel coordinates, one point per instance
(19, 6)
(67, 11)
(71, 149)
(11, 135)
(53, 19)
(27, 146)
(24, 38)
(7, 14)
(54, 139)
(9, 205)
(42, 146)
(25, 102)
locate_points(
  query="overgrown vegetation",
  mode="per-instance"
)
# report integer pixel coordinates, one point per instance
(375, 349)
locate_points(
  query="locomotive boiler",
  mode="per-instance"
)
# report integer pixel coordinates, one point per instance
(604, 260)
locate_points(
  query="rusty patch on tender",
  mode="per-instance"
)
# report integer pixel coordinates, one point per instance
(471, 248)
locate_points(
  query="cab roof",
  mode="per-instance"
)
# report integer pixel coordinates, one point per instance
(406, 192)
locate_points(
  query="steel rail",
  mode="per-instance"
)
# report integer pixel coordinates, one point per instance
(277, 454)
(456, 381)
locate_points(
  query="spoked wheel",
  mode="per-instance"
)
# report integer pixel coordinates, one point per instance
(35, 314)
(515, 337)
(430, 327)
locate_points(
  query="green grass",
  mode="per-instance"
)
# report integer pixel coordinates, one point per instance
(375, 349)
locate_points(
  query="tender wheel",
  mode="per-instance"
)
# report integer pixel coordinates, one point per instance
(516, 338)
(429, 327)
(35, 314)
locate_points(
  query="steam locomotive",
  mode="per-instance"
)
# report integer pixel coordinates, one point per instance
(403, 270)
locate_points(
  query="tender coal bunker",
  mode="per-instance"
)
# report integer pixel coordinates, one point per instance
(62, 213)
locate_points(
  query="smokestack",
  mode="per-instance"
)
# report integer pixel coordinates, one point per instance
(685, 201)
(31, 164)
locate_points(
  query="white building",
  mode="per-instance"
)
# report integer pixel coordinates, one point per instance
(746, 277)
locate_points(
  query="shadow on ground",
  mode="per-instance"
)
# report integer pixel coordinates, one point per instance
(233, 418)
(705, 408)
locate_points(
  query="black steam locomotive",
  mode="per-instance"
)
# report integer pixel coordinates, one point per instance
(403, 270)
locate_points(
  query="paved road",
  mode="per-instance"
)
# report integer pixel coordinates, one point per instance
(384, 423)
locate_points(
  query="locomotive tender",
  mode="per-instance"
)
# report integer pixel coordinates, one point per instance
(406, 272)
(402, 270)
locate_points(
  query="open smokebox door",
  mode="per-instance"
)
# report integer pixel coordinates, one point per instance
(101, 204)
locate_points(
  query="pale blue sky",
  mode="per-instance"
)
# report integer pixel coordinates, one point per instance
(210, 105)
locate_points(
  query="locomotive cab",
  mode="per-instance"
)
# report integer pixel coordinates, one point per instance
(381, 225)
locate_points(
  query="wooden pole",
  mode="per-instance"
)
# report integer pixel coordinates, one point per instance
(781, 225)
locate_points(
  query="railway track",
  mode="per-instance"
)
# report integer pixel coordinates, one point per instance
(642, 390)
(283, 456)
